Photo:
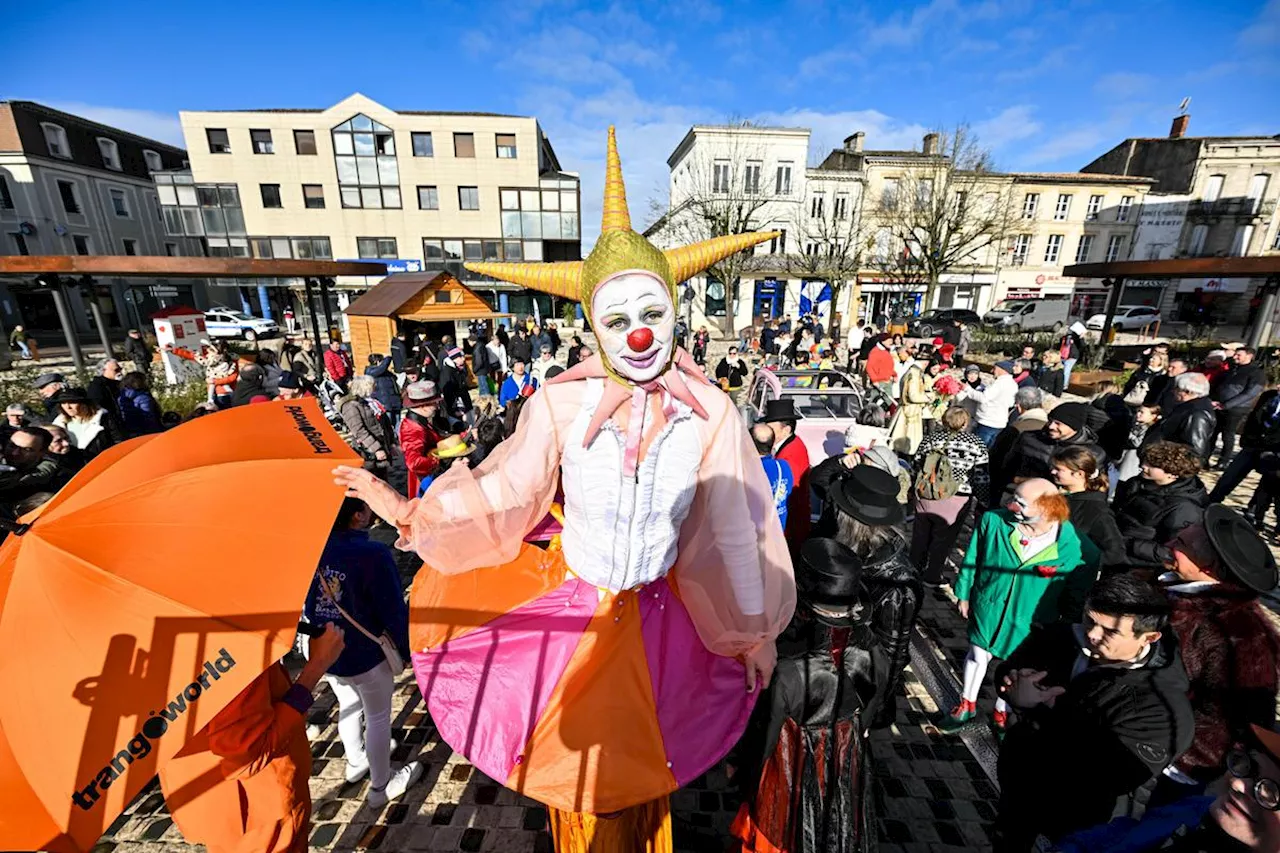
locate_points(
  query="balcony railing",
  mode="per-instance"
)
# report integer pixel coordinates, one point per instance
(1248, 207)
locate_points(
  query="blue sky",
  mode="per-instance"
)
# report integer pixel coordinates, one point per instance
(1047, 84)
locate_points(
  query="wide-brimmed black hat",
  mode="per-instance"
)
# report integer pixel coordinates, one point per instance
(780, 410)
(1241, 552)
(869, 494)
(829, 574)
(72, 395)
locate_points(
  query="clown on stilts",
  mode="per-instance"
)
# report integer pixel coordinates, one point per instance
(601, 677)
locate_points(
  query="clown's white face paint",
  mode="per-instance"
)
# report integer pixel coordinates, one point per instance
(635, 323)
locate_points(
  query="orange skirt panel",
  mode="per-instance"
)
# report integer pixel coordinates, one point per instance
(640, 829)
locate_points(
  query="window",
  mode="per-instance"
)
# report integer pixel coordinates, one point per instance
(130, 247)
(1095, 204)
(270, 195)
(110, 153)
(20, 244)
(506, 143)
(1053, 249)
(1063, 208)
(468, 198)
(924, 193)
(171, 249)
(778, 245)
(1021, 248)
(464, 145)
(261, 142)
(56, 140)
(783, 184)
(6, 198)
(547, 213)
(81, 242)
(1276, 243)
(368, 173)
(811, 249)
(841, 206)
(313, 195)
(1030, 204)
(1257, 189)
(751, 177)
(720, 176)
(816, 207)
(1241, 240)
(154, 161)
(889, 194)
(428, 198)
(119, 203)
(883, 245)
(1084, 248)
(376, 247)
(422, 145)
(1122, 212)
(304, 142)
(219, 142)
(70, 203)
(1198, 235)
(1114, 246)
(1213, 187)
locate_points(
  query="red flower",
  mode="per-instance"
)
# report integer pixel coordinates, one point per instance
(1046, 571)
(947, 385)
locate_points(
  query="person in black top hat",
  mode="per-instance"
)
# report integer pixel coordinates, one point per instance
(869, 522)
(1229, 648)
(831, 676)
(787, 447)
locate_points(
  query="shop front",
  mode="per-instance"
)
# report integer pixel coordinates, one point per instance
(960, 290)
(884, 298)
(1213, 301)
(1147, 292)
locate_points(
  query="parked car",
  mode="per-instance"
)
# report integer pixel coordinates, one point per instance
(935, 320)
(828, 402)
(1128, 318)
(225, 323)
(1030, 315)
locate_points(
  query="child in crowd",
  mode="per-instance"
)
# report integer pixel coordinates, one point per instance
(1130, 465)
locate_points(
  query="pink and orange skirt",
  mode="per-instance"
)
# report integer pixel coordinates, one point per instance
(586, 702)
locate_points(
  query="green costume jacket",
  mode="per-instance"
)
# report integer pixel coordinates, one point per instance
(1008, 595)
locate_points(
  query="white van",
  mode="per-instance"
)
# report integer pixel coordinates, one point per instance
(1029, 315)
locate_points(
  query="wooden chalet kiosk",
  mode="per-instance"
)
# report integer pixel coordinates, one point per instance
(433, 303)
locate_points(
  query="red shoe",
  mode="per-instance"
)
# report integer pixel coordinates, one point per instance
(960, 714)
(1000, 722)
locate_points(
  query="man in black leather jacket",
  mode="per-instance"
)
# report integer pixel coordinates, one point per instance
(1192, 422)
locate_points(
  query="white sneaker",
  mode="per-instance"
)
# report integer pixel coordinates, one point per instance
(356, 772)
(400, 782)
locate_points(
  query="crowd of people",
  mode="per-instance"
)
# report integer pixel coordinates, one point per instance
(1111, 600)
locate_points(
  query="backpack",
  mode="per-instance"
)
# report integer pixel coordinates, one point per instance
(936, 481)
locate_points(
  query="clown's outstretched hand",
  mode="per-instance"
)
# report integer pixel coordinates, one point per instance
(384, 501)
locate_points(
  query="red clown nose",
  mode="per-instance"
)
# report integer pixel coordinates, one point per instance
(640, 339)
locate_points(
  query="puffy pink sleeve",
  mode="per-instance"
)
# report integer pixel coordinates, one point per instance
(733, 571)
(469, 519)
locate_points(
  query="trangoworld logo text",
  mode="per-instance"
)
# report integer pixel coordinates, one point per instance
(309, 432)
(153, 729)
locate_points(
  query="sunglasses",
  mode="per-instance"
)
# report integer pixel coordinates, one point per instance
(1266, 792)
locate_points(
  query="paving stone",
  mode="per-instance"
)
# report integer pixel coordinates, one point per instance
(323, 835)
(372, 838)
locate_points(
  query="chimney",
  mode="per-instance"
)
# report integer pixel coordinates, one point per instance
(1179, 128)
(930, 144)
(853, 142)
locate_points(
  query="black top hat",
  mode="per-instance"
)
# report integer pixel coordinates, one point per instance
(829, 574)
(780, 410)
(869, 494)
(1241, 551)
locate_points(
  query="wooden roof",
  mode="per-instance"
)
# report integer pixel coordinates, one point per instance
(1248, 267)
(161, 265)
(422, 296)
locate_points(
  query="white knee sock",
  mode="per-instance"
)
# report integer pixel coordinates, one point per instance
(975, 670)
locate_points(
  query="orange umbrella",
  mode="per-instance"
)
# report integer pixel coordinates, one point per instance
(147, 594)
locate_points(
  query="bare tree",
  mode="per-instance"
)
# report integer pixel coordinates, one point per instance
(943, 213)
(831, 238)
(717, 196)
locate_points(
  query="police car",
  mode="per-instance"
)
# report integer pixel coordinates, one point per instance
(225, 323)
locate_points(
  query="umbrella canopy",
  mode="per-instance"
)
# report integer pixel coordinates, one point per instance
(143, 598)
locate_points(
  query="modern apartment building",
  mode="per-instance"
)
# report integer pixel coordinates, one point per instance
(71, 186)
(1229, 186)
(359, 181)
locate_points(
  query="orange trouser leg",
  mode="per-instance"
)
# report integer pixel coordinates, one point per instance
(640, 829)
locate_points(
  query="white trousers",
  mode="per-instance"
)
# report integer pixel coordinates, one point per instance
(975, 672)
(367, 695)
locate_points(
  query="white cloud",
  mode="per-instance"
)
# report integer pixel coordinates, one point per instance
(1010, 125)
(1122, 84)
(1088, 140)
(162, 127)
(830, 64)
(1266, 29)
